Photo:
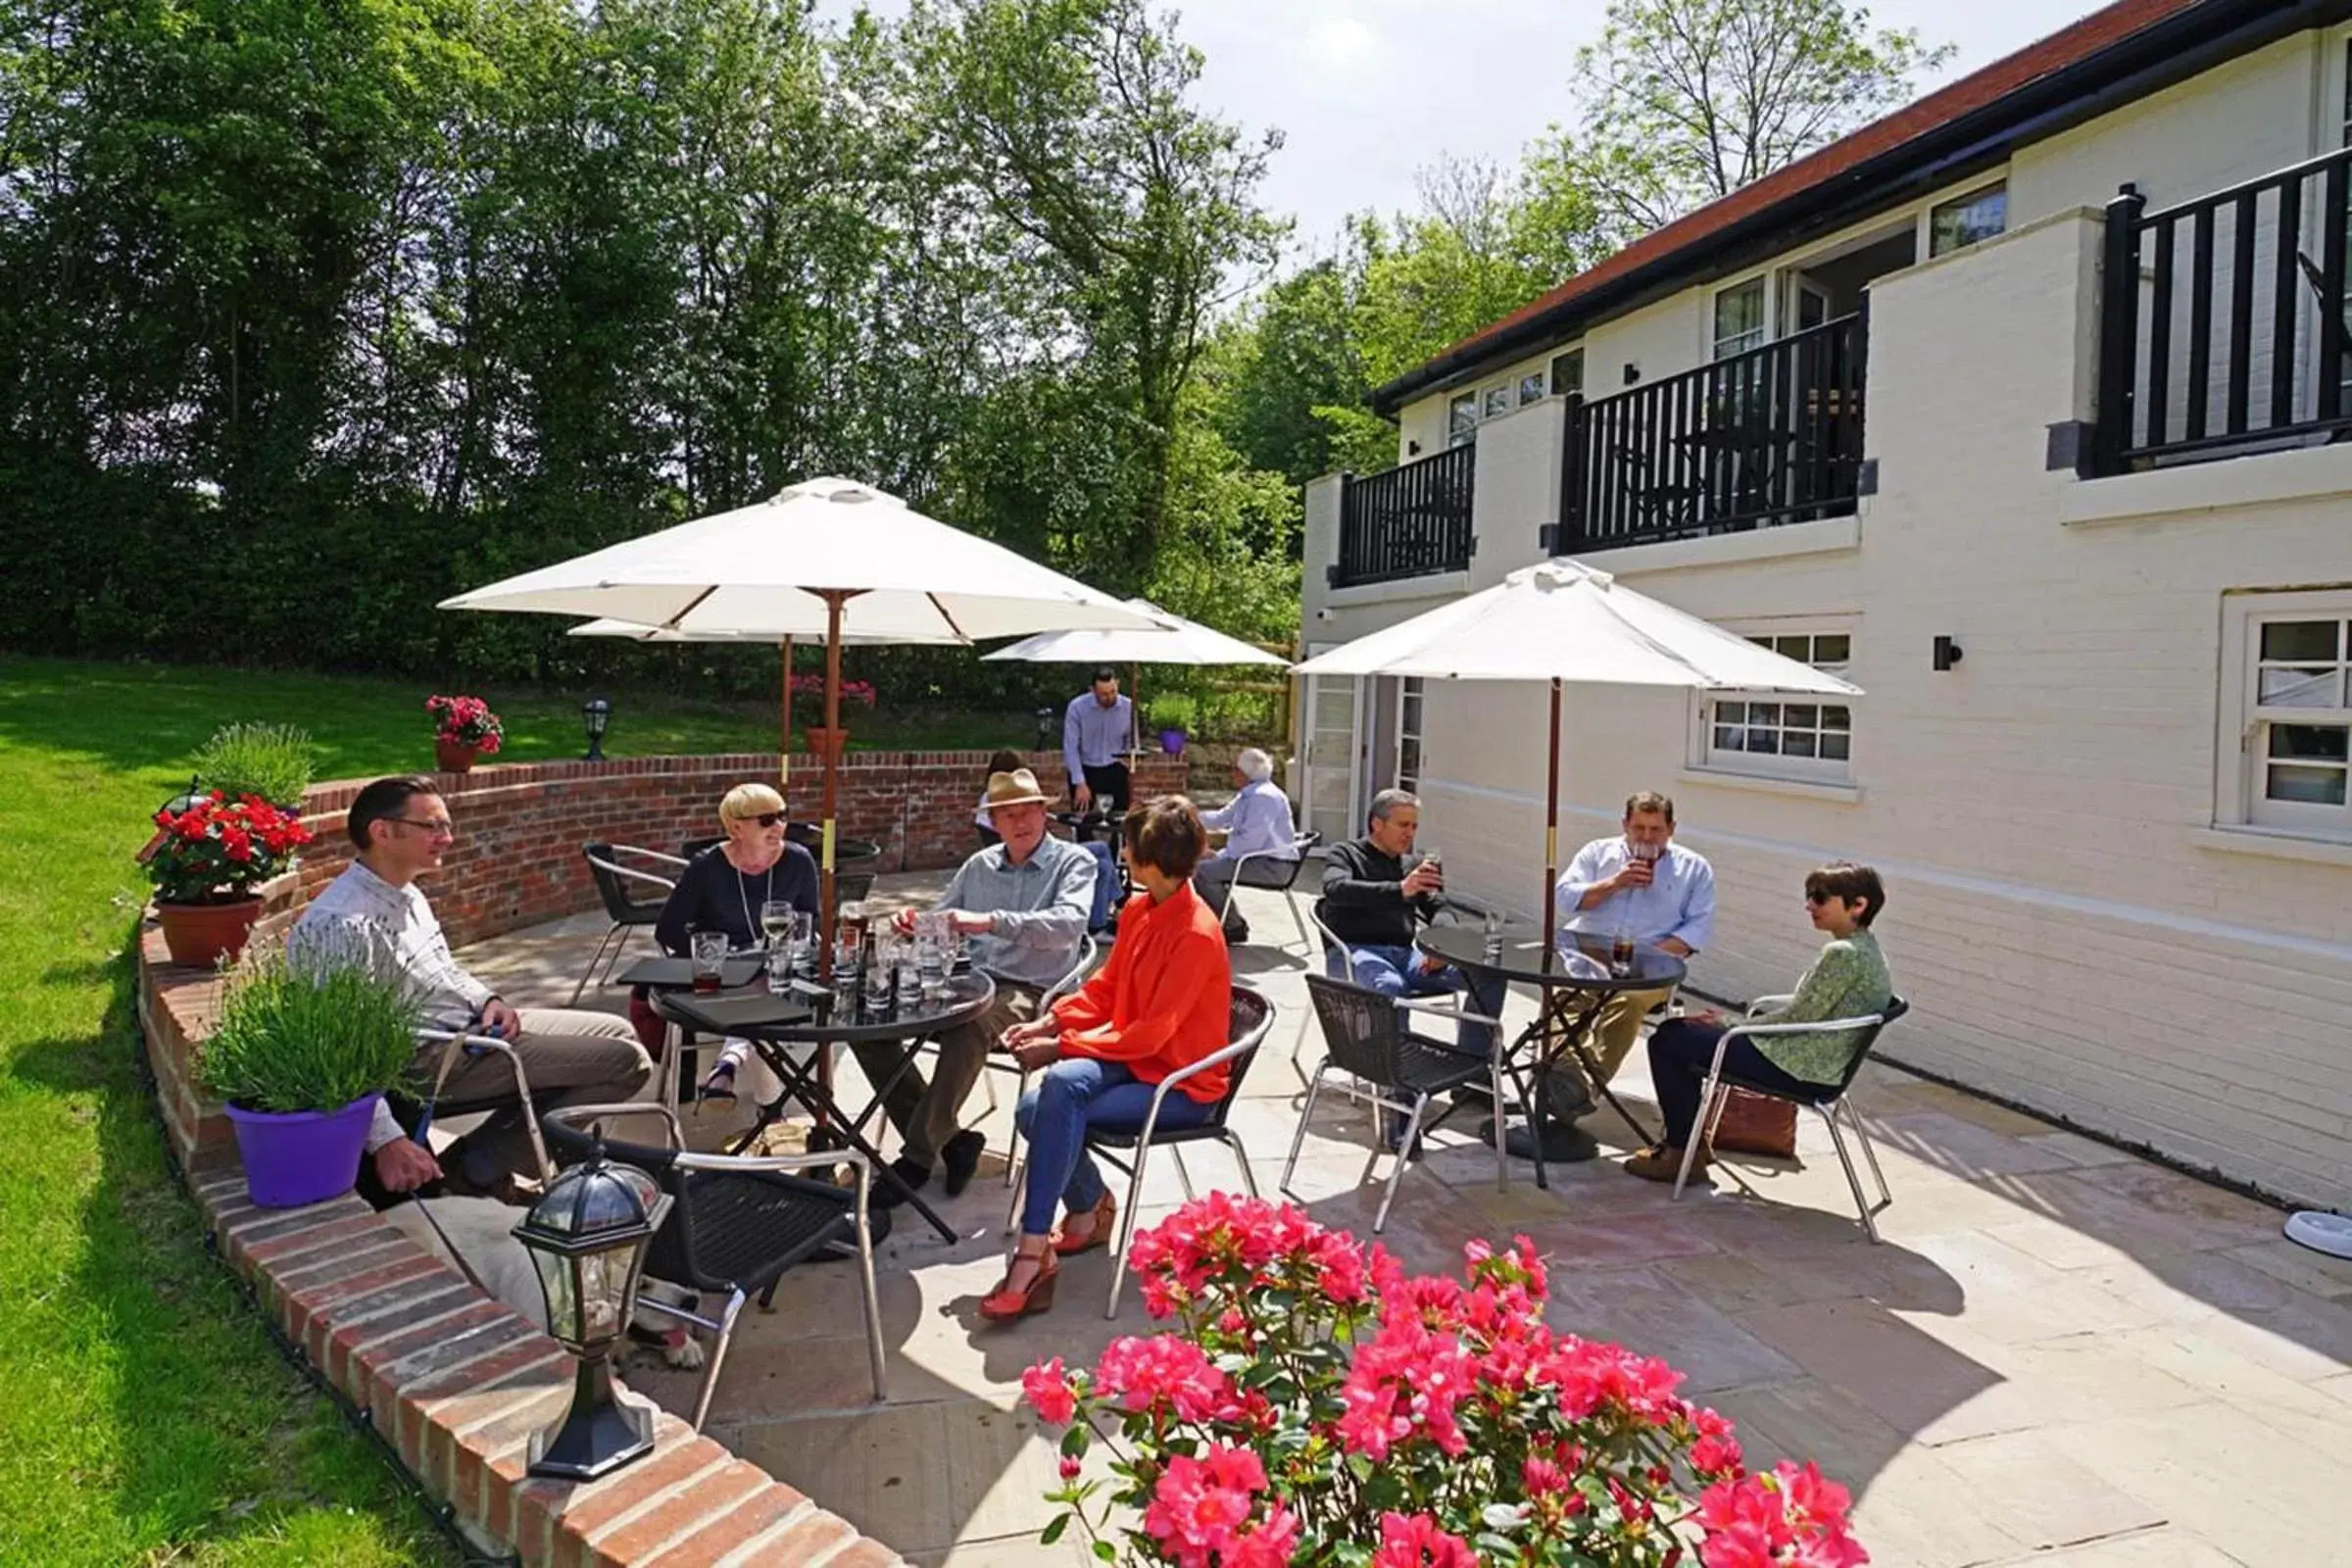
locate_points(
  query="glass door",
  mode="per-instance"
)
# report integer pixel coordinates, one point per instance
(1334, 728)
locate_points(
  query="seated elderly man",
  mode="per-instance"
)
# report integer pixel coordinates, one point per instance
(401, 828)
(1023, 906)
(1255, 822)
(1639, 883)
(1374, 907)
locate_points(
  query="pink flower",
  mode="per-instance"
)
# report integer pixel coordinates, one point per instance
(1070, 1467)
(1167, 1369)
(1270, 1545)
(1417, 1542)
(1048, 1389)
(1199, 1505)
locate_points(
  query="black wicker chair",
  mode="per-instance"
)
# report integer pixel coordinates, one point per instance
(1396, 1069)
(625, 890)
(738, 1223)
(1829, 1102)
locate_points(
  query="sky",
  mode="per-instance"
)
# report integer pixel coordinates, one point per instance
(1367, 91)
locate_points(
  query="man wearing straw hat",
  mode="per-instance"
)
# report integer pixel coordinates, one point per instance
(1023, 906)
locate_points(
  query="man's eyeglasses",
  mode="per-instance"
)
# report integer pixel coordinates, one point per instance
(439, 830)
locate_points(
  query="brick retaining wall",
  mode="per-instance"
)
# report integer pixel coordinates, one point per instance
(516, 861)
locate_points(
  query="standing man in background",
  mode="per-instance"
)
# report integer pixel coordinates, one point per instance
(1097, 729)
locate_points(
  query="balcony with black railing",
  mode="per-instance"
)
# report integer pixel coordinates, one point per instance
(1754, 440)
(1411, 522)
(2221, 328)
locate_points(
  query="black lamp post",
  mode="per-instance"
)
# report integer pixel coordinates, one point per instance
(587, 1238)
(1044, 729)
(597, 714)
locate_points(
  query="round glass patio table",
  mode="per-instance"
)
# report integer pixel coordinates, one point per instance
(1572, 981)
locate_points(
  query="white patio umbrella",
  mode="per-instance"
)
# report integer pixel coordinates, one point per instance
(829, 557)
(1172, 640)
(1559, 621)
(629, 629)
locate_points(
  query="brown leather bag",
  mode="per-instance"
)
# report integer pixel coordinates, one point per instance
(1756, 1124)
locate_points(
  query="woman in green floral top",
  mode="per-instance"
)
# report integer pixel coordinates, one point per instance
(1849, 979)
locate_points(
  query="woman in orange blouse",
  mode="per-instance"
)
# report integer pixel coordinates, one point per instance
(1163, 1002)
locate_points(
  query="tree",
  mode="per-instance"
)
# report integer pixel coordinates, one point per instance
(1685, 101)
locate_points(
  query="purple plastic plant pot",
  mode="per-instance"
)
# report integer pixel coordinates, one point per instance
(1171, 741)
(294, 1157)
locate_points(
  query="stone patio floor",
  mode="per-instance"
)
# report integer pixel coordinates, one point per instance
(2061, 1354)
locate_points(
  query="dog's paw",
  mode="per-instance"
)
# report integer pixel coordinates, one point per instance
(684, 1355)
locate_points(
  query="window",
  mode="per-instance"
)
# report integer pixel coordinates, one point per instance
(1461, 421)
(1739, 318)
(2297, 752)
(1497, 401)
(1531, 388)
(1408, 734)
(1978, 216)
(1780, 736)
(1568, 373)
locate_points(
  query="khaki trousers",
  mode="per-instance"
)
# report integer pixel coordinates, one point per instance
(571, 1058)
(1614, 1032)
(927, 1115)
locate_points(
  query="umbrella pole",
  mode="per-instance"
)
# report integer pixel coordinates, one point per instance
(834, 598)
(1551, 817)
(784, 729)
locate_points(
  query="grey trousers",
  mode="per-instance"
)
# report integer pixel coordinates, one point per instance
(571, 1058)
(927, 1115)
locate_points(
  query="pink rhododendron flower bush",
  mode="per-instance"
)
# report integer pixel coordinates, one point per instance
(1317, 1405)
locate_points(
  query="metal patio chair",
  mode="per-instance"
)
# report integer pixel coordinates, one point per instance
(1397, 1071)
(1830, 1101)
(1130, 1148)
(739, 1223)
(1273, 873)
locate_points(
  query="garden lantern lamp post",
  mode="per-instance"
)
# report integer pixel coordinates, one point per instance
(587, 1239)
(597, 714)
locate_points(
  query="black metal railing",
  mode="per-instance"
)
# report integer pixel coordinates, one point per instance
(1770, 436)
(1407, 523)
(2221, 321)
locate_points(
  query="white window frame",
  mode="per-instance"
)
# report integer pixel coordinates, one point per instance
(1533, 384)
(2242, 748)
(1707, 758)
(1461, 432)
(1927, 248)
(1754, 337)
(1496, 401)
(1551, 369)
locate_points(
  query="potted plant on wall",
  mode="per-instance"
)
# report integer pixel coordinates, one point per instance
(302, 1054)
(809, 711)
(208, 855)
(1171, 713)
(463, 729)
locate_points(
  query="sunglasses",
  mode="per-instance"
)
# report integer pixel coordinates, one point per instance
(764, 818)
(1816, 898)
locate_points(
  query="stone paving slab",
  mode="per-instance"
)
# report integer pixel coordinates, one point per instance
(2062, 1354)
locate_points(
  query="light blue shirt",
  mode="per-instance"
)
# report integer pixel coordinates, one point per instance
(1679, 903)
(1258, 822)
(1095, 736)
(1040, 907)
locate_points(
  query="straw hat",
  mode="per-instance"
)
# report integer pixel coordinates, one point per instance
(1016, 787)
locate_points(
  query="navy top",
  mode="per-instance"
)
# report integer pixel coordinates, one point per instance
(713, 895)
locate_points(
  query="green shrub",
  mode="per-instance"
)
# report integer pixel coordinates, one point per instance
(1171, 711)
(311, 1036)
(275, 761)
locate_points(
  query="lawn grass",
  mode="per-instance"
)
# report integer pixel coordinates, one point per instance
(145, 1418)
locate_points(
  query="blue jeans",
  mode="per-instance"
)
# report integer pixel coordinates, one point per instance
(1397, 972)
(1053, 1116)
(1108, 885)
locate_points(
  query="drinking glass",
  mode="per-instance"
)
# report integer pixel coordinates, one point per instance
(1621, 954)
(710, 959)
(877, 976)
(775, 923)
(1494, 946)
(930, 961)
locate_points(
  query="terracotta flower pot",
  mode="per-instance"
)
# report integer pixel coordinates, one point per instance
(454, 756)
(825, 742)
(203, 934)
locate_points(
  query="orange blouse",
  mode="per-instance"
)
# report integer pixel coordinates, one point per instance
(1165, 999)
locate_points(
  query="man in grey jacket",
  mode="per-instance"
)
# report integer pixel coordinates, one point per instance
(1023, 906)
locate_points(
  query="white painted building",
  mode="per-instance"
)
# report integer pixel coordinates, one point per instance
(1856, 409)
